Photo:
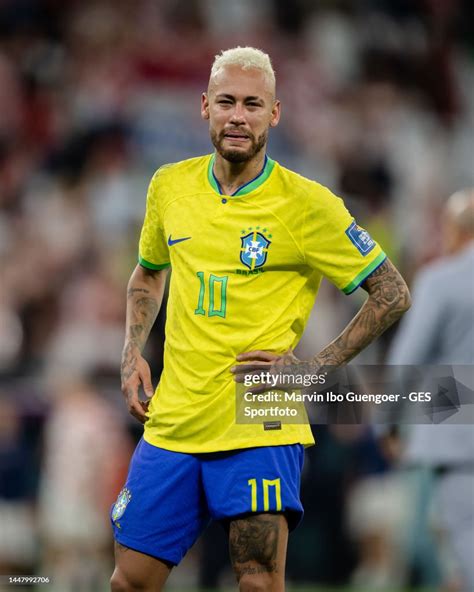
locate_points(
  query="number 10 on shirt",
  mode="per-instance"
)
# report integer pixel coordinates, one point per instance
(217, 289)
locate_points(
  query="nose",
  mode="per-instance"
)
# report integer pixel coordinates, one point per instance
(238, 115)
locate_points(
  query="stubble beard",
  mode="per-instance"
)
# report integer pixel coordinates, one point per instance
(238, 156)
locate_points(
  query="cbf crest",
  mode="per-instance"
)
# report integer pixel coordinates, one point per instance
(121, 504)
(254, 248)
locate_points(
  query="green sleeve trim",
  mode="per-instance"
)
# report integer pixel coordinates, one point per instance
(360, 277)
(146, 263)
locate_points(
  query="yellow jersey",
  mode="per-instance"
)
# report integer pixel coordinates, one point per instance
(246, 270)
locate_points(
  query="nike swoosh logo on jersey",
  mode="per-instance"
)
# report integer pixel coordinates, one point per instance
(172, 242)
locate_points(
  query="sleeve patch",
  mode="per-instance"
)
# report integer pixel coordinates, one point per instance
(360, 238)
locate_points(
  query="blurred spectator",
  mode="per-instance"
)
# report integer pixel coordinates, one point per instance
(439, 329)
(85, 460)
(379, 514)
(90, 328)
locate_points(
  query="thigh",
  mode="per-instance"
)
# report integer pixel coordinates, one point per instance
(161, 510)
(258, 546)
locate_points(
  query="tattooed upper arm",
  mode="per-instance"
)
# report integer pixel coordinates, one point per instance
(388, 299)
(386, 285)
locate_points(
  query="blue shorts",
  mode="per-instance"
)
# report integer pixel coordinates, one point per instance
(170, 497)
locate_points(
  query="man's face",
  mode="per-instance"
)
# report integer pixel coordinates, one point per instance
(240, 107)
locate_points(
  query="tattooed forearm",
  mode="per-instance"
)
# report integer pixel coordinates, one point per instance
(143, 312)
(388, 300)
(129, 359)
(144, 296)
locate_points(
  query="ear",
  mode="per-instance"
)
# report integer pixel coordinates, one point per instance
(205, 106)
(276, 112)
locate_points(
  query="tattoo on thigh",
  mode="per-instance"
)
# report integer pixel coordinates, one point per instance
(254, 539)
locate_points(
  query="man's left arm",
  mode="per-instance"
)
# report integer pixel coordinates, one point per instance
(388, 299)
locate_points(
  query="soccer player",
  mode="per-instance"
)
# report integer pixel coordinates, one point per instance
(248, 242)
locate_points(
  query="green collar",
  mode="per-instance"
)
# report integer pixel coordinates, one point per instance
(248, 187)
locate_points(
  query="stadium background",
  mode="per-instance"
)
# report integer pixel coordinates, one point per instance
(378, 104)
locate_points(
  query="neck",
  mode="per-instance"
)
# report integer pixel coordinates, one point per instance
(232, 175)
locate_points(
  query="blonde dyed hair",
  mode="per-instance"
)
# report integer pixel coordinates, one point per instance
(246, 58)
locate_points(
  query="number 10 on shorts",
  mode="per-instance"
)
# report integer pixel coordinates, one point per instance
(266, 485)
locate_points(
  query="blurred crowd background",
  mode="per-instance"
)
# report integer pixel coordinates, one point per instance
(378, 104)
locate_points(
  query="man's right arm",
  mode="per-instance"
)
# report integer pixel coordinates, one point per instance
(144, 296)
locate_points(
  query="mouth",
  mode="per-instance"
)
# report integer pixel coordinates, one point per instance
(236, 136)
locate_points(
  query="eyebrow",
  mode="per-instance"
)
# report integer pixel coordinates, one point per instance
(227, 96)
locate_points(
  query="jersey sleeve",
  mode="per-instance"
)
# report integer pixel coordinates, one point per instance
(153, 249)
(335, 245)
